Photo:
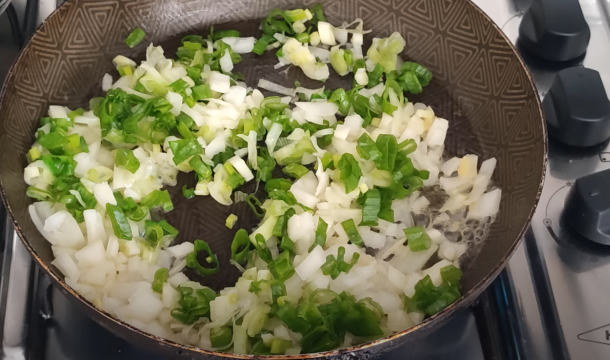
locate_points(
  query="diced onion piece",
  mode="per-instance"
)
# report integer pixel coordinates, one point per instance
(195, 115)
(468, 166)
(311, 264)
(236, 96)
(276, 88)
(316, 71)
(241, 167)
(322, 54)
(92, 254)
(240, 45)
(361, 76)
(57, 112)
(182, 250)
(95, 226)
(340, 35)
(488, 204)
(107, 82)
(342, 132)
(322, 109)
(67, 266)
(450, 166)
(273, 135)
(325, 30)
(220, 82)
(103, 194)
(371, 239)
(216, 146)
(176, 100)
(437, 132)
(112, 249)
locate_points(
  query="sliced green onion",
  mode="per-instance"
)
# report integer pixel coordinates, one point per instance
(371, 205)
(287, 245)
(158, 198)
(179, 86)
(295, 170)
(225, 33)
(285, 196)
(339, 97)
(451, 274)
(120, 225)
(417, 238)
(221, 337)
(135, 37)
(278, 184)
(201, 92)
(188, 193)
(240, 247)
(279, 346)
(423, 75)
(235, 179)
(33, 154)
(138, 214)
(407, 147)
(256, 205)
(127, 160)
(204, 172)
(38, 194)
(153, 232)
(53, 141)
(261, 248)
(350, 172)
(334, 267)
(261, 44)
(320, 234)
(386, 144)
(431, 299)
(184, 149)
(160, 279)
(367, 149)
(352, 232)
(385, 206)
(302, 37)
(327, 161)
(295, 15)
(337, 60)
(282, 223)
(193, 263)
(168, 229)
(318, 14)
(230, 221)
(193, 304)
(282, 268)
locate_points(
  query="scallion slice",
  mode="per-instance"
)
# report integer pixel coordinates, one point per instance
(135, 37)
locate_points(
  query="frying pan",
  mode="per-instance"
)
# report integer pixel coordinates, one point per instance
(480, 84)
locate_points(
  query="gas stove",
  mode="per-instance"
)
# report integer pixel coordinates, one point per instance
(549, 301)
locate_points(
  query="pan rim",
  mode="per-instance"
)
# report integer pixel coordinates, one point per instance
(464, 300)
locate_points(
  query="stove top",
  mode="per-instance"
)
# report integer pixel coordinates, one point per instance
(547, 304)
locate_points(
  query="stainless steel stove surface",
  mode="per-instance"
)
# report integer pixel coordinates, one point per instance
(548, 303)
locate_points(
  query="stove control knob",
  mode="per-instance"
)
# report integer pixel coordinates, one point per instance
(555, 30)
(587, 207)
(577, 109)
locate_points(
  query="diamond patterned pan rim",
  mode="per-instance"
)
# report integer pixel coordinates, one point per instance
(437, 319)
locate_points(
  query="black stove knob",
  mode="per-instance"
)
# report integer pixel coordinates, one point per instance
(577, 109)
(587, 207)
(555, 30)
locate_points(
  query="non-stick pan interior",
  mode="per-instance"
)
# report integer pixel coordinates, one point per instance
(480, 85)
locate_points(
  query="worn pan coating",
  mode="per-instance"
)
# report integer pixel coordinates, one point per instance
(480, 84)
